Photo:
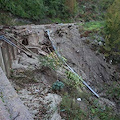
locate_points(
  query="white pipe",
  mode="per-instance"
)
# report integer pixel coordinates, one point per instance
(71, 69)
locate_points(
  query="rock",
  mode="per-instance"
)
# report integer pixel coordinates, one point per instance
(41, 36)
(96, 118)
(106, 102)
(25, 60)
(56, 116)
(18, 66)
(33, 37)
(4, 115)
(83, 106)
(103, 102)
(54, 100)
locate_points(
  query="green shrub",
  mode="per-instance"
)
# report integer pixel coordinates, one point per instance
(48, 62)
(93, 9)
(56, 8)
(26, 9)
(112, 29)
(35, 9)
(57, 86)
(93, 25)
(73, 80)
(6, 19)
(104, 4)
(71, 110)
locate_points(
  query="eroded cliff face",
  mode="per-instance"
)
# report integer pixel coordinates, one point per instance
(33, 82)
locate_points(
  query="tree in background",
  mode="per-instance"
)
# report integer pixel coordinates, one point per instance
(71, 5)
(56, 8)
(112, 43)
(35, 9)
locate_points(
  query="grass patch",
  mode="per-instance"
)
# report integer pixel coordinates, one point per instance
(70, 110)
(94, 25)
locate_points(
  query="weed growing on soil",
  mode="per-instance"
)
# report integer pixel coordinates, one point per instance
(58, 86)
(1, 96)
(73, 80)
(70, 110)
(94, 25)
(23, 78)
(103, 113)
(51, 61)
(114, 93)
(48, 62)
(6, 19)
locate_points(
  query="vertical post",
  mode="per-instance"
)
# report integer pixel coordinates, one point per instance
(6, 59)
(1, 59)
(11, 52)
(15, 51)
(9, 55)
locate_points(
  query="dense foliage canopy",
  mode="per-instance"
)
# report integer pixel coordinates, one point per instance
(113, 30)
(35, 9)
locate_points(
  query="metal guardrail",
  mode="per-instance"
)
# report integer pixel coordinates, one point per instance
(7, 54)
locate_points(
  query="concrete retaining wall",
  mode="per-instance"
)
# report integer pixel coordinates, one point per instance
(11, 107)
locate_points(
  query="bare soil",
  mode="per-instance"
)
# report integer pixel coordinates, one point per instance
(33, 86)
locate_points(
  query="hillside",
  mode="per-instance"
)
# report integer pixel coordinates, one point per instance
(63, 62)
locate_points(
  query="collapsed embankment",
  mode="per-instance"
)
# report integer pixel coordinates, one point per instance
(33, 82)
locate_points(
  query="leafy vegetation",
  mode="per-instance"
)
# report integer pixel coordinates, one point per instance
(58, 86)
(93, 25)
(112, 29)
(71, 110)
(73, 80)
(93, 9)
(26, 9)
(5, 19)
(48, 62)
(105, 4)
(92, 13)
(103, 113)
(51, 61)
(114, 92)
(57, 10)
(36, 9)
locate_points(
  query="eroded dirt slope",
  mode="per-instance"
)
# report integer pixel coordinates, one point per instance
(66, 37)
(91, 66)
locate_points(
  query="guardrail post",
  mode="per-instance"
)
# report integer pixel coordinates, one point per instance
(1, 58)
(6, 59)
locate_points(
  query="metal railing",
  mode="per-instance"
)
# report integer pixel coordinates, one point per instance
(7, 54)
